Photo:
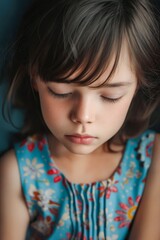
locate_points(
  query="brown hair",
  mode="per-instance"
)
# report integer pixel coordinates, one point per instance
(57, 36)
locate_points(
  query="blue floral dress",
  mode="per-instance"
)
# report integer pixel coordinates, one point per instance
(61, 210)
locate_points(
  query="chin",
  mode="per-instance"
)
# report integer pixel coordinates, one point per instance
(81, 150)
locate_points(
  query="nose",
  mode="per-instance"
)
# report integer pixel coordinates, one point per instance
(83, 111)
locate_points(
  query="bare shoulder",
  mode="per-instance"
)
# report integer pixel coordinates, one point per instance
(155, 163)
(9, 175)
(156, 151)
(9, 168)
(12, 203)
(157, 138)
(8, 157)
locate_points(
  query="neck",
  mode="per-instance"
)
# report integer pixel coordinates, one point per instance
(95, 166)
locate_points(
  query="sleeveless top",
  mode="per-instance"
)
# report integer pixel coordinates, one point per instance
(61, 210)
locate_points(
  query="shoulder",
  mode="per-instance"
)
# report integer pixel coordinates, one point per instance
(141, 147)
(9, 170)
(144, 137)
(12, 202)
(156, 153)
(32, 149)
(31, 144)
(149, 148)
(8, 162)
(157, 143)
(143, 143)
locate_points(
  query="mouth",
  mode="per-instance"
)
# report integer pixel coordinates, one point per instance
(81, 139)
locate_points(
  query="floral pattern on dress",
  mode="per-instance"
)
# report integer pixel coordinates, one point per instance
(33, 169)
(63, 210)
(55, 172)
(127, 212)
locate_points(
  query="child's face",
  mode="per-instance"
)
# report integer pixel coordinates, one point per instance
(82, 118)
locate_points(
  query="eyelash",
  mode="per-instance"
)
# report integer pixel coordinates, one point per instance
(111, 100)
(59, 95)
(66, 95)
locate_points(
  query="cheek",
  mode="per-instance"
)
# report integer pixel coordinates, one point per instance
(50, 110)
(119, 112)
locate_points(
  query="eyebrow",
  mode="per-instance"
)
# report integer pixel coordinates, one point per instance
(117, 84)
(105, 85)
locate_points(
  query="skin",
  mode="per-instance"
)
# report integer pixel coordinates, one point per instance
(69, 109)
(84, 112)
(146, 223)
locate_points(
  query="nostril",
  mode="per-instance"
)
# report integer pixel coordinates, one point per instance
(83, 112)
(82, 120)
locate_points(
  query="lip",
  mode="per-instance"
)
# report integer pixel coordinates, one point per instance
(81, 139)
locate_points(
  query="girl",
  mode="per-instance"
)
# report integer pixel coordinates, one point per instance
(87, 73)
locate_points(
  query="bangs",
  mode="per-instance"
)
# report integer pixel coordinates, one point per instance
(80, 44)
(76, 41)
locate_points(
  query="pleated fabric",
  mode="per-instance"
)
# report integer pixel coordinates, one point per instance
(62, 210)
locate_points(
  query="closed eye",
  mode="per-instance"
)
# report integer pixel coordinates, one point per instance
(111, 100)
(59, 95)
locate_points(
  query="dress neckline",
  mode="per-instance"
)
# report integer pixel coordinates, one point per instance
(115, 174)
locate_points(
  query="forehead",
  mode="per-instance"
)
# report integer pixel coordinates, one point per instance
(123, 72)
